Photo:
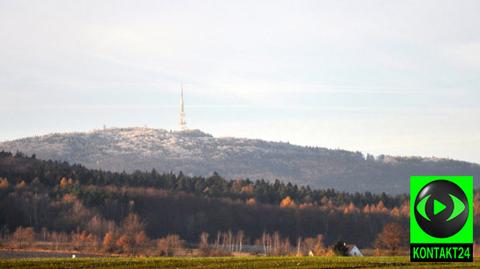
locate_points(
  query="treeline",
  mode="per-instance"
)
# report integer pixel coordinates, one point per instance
(19, 167)
(69, 206)
(75, 203)
(147, 213)
(129, 238)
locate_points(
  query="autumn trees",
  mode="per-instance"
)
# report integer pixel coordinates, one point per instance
(99, 210)
(312, 245)
(136, 244)
(287, 202)
(170, 245)
(132, 237)
(131, 213)
(23, 237)
(4, 183)
(107, 242)
(391, 238)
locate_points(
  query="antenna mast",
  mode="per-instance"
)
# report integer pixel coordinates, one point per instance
(183, 123)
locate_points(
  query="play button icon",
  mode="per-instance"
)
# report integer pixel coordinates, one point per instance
(438, 207)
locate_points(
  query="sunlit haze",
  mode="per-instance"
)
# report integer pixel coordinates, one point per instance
(381, 77)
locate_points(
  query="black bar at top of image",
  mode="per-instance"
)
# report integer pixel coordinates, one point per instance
(464, 246)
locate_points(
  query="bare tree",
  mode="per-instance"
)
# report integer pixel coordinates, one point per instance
(171, 245)
(277, 244)
(133, 235)
(141, 240)
(203, 244)
(23, 237)
(391, 237)
(299, 245)
(240, 238)
(267, 243)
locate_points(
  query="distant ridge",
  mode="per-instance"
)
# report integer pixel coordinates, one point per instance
(197, 153)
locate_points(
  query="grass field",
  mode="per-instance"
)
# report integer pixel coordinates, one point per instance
(230, 262)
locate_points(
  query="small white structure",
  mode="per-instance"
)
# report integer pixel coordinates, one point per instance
(353, 250)
(73, 256)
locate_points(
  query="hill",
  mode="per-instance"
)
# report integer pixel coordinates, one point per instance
(199, 154)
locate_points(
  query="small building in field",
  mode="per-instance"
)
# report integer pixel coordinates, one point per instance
(353, 250)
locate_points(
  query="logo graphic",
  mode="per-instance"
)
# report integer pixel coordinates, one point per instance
(441, 218)
(441, 208)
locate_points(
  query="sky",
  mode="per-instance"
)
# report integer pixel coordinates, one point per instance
(380, 77)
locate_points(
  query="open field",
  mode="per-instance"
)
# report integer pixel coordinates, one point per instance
(230, 262)
(29, 254)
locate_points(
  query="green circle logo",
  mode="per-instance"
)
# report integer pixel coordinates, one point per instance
(441, 208)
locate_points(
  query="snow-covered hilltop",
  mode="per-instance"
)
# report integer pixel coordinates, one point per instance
(198, 153)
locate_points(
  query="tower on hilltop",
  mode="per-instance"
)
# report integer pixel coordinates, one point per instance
(183, 123)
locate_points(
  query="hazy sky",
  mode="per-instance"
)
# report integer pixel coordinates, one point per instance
(393, 77)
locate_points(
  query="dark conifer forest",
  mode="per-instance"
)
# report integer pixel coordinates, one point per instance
(64, 198)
